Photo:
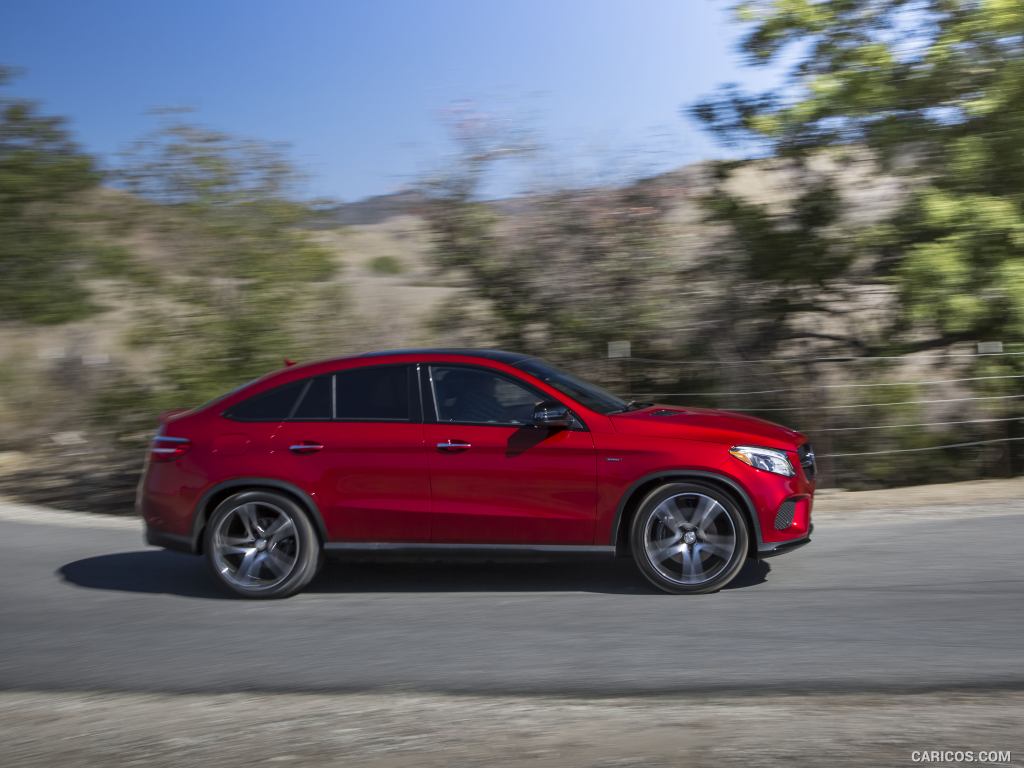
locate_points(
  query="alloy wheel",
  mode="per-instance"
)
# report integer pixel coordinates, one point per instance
(255, 546)
(690, 539)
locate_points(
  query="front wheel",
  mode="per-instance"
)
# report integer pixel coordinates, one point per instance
(262, 545)
(689, 538)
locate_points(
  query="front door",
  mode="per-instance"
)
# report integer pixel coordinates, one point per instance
(495, 478)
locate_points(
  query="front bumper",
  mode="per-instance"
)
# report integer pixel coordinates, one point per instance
(775, 548)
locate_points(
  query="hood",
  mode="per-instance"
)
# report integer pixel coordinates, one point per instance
(706, 425)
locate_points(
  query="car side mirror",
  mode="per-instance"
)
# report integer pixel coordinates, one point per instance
(552, 414)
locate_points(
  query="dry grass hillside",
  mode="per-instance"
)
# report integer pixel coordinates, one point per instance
(386, 291)
(385, 275)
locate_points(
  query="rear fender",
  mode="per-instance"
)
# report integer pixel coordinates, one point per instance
(213, 496)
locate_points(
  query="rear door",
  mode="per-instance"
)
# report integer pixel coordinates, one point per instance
(356, 436)
(494, 477)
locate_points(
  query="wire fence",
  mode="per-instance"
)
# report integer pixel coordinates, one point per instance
(830, 399)
(852, 385)
(876, 405)
(929, 448)
(833, 359)
(920, 424)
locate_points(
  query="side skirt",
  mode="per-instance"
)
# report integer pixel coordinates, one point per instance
(417, 549)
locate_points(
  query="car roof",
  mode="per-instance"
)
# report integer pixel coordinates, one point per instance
(317, 367)
(294, 372)
(509, 358)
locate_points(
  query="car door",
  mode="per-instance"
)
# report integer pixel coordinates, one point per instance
(494, 478)
(356, 436)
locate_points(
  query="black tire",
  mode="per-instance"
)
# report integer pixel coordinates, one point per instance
(664, 526)
(261, 545)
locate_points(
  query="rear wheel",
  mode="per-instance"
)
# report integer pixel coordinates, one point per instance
(261, 544)
(689, 538)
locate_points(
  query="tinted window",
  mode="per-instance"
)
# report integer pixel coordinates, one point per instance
(274, 405)
(591, 395)
(373, 394)
(476, 396)
(316, 403)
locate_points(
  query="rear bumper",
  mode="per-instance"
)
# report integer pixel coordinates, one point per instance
(170, 541)
(165, 502)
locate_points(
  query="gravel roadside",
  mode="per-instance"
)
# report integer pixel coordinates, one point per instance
(401, 730)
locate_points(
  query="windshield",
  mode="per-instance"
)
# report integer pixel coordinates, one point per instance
(590, 395)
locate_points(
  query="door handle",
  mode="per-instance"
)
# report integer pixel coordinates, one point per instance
(305, 447)
(453, 446)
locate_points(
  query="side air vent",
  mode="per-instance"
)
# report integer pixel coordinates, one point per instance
(806, 455)
(784, 517)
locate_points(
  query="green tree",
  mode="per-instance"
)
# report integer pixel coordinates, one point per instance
(931, 93)
(562, 272)
(242, 268)
(934, 91)
(41, 173)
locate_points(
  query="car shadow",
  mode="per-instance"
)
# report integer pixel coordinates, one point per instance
(171, 573)
(152, 571)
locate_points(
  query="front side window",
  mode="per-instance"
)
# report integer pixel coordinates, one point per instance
(590, 395)
(476, 396)
(380, 393)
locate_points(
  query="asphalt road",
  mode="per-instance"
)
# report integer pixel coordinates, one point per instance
(877, 602)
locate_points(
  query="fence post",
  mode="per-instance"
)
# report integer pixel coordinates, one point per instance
(828, 472)
(623, 350)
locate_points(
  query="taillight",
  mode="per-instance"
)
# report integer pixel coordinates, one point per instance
(166, 448)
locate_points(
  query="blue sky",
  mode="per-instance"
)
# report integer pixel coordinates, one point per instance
(358, 88)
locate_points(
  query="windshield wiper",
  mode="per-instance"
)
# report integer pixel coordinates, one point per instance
(632, 405)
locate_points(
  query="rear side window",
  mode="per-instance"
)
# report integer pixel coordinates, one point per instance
(315, 404)
(274, 405)
(380, 393)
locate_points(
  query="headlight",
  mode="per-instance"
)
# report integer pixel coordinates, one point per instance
(767, 459)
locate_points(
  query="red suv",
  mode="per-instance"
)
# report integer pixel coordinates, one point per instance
(452, 451)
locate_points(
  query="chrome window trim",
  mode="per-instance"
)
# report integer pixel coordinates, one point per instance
(334, 396)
